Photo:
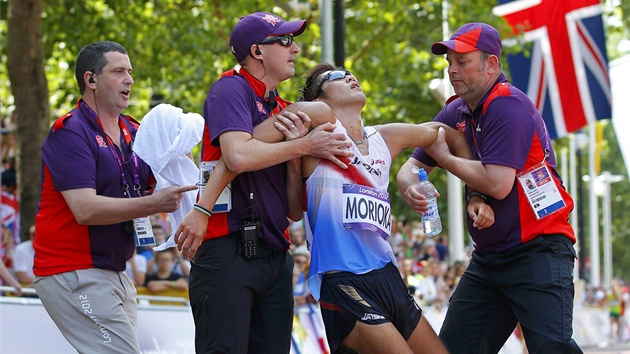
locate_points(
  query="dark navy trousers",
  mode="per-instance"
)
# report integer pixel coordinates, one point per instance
(531, 283)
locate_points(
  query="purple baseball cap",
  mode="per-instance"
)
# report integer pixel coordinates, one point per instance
(470, 37)
(255, 27)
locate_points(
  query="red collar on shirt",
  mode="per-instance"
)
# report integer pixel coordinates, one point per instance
(259, 88)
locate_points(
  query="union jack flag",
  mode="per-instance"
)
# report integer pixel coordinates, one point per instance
(566, 72)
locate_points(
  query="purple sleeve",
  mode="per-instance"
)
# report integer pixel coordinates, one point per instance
(68, 157)
(228, 107)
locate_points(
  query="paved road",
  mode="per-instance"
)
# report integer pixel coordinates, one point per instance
(616, 348)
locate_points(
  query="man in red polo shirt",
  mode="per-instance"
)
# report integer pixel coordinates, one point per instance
(93, 199)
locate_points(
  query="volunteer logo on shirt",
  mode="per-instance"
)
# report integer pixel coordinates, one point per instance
(100, 141)
(461, 127)
(261, 109)
(273, 20)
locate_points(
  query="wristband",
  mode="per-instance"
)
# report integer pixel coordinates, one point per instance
(474, 193)
(202, 209)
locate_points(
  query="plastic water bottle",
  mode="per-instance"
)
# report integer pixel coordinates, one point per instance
(431, 222)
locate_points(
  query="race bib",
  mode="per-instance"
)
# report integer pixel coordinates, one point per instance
(366, 208)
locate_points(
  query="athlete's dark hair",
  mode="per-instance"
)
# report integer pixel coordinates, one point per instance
(311, 89)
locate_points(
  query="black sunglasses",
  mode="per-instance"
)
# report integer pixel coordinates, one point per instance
(332, 76)
(284, 41)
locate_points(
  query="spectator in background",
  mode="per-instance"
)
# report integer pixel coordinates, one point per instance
(301, 260)
(8, 248)
(311, 334)
(179, 266)
(406, 230)
(9, 203)
(459, 268)
(297, 234)
(24, 255)
(164, 278)
(446, 287)
(136, 269)
(441, 247)
(396, 239)
(7, 278)
(427, 288)
(416, 242)
(615, 301)
(163, 220)
(8, 138)
(428, 251)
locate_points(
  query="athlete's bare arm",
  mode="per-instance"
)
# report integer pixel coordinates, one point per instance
(291, 123)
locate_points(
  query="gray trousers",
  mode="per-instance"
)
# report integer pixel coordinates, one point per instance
(95, 309)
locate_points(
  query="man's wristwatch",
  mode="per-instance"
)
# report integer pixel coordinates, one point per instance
(474, 193)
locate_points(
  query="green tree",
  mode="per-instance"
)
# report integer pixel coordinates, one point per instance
(28, 84)
(612, 161)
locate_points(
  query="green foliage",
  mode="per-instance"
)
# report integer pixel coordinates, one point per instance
(620, 204)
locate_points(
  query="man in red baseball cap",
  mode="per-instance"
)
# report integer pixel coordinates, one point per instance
(469, 38)
(521, 270)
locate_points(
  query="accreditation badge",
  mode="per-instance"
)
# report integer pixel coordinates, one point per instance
(541, 190)
(224, 202)
(143, 231)
(366, 208)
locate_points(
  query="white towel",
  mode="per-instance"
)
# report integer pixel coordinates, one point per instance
(165, 136)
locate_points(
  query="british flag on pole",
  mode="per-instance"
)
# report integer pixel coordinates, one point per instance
(566, 72)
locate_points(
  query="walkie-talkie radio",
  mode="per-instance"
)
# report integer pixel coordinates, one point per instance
(250, 232)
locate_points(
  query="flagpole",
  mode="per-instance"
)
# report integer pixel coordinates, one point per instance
(454, 184)
(593, 209)
(568, 177)
(326, 30)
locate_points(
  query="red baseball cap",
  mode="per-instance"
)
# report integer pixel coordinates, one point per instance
(255, 27)
(470, 37)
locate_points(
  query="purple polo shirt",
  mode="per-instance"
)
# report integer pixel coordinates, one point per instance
(75, 155)
(511, 133)
(233, 105)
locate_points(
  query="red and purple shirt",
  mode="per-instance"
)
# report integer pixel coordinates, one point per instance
(77, 154)
(236, 103)
(506, 129)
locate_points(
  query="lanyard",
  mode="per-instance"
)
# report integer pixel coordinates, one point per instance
(120, 156)
(472, 129)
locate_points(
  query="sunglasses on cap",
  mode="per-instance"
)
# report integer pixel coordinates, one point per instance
(284, 41)
(332, 76)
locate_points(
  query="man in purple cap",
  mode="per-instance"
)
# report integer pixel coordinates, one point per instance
(521, 270)
(241, 274)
